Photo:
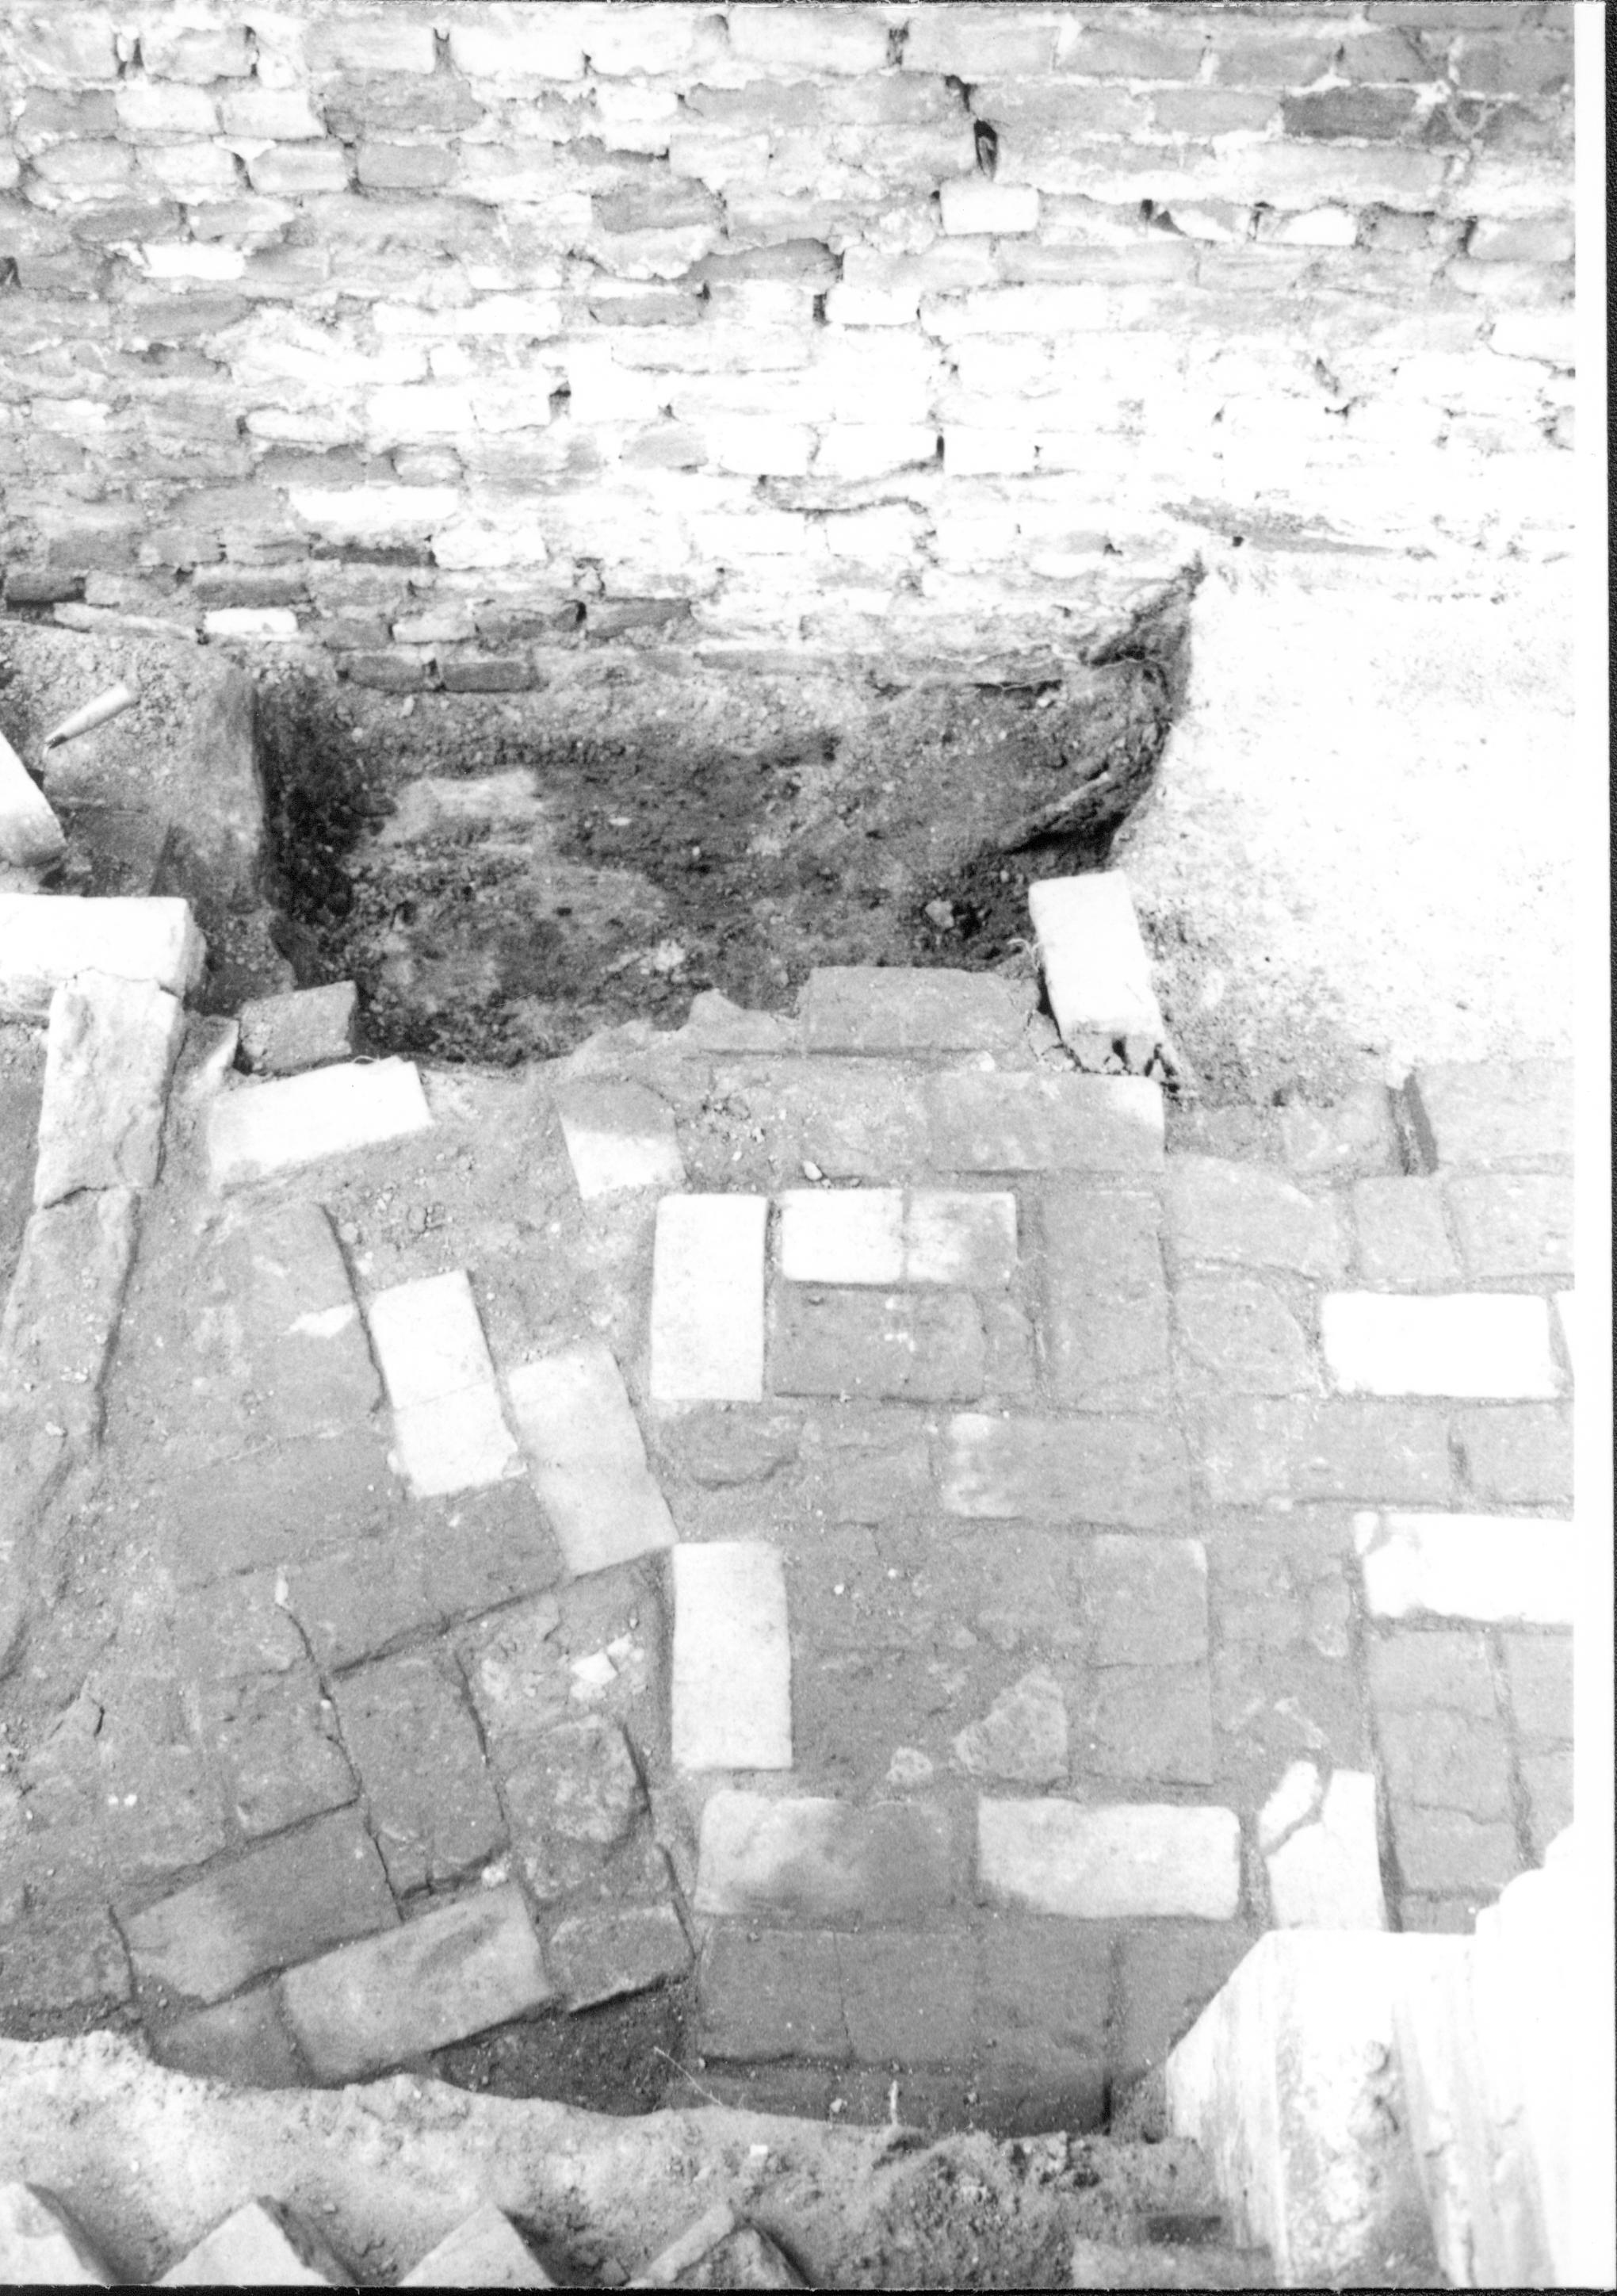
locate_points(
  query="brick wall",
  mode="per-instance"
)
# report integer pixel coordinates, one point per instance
(438, 329)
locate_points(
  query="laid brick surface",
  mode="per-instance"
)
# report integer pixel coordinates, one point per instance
(1513, 1223)
(1104, 1320)
(1442, 1851)
(864, 1008)
(1402, 1237)
(1129, 1471)
(448, 1974)
(456, 1443)
(951, 1237)
(817, 1860)
(908, 2000)
(886, 1236)
(1145, 1600)
(1045, 1990)
(586, 1457)
(1147, 1723)
(1240, 1212)
(1444, 1761)
(279, 1903)
(927, 1346)
(1030, 1123)
(429, 1339)
(1494, 1116)
(415, 1744)
(284, 1275)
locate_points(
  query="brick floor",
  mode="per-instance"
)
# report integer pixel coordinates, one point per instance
(1100, 1483)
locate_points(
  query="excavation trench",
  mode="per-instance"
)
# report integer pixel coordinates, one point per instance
(502, 875)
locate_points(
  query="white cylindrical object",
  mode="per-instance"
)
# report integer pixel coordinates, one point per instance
(112, 703)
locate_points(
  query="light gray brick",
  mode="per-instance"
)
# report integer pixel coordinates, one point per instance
(1254, 1218)
(586, 1457)
(814, 1859)
(731, 1689)
(1403, 1240)
(1094, 1863)
(1513, 1223)
(1131, 1472)
(1019, 1122)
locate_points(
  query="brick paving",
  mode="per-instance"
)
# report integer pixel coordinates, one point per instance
(1088, 1550)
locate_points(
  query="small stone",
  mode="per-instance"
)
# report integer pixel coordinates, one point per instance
(109, 1056)
(306, 1029)
(1022, 1737)
(261, 2244)
(42, 2247)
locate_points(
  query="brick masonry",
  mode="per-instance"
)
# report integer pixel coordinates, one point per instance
(732, 300)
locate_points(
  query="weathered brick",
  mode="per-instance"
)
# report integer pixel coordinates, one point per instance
(1494, 1116)
(618, 1137)
(1253, 54)
(813, 39)
(926, 1347)
(888, 1864)
(908, 1999)
(1414, 1673)
(1547, 1779)
(1524, 63)
(436, 1980)
(427, 1784)
(1240, 1212)
(598, 1957)
(772, 1993)
(864, 1465)
(1239, 1335)
(373, 43)
(732, 1685)
(243, 2042)
(1131, 1472)
(576, 1800)
(1043, 2001)
(1156, 48)
(1145, 1600)
(707, 1299)
(1366, 113)
(297, 169)
(403, 167)
(1147, 1723)
(1402, 1239)
(1517, 1456)
(1467, 1344)
(1539, 1671)
(587, 1458)
(1252, 1448)
(108, 1055)
(278, 1903)
(860, 1008)
(1354, 1135)
(1513, 1225)
(1321, 1850)
(1093, 1862)
(1506, 1570)
(150, 111)
(56, 49)
(258, 1131)
(1530, 239)
(194, 52)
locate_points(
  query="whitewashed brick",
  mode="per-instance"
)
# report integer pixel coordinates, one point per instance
(707, 1299)
(799, 38)
(988, 454)
(1474, 1344)
(586, 1460)
(485, 2250)
(842, 1235)
(185, 259)
(383, 41)
(1096, 970)
(42, 2247)
(154, 108)
(1320, 1849)
(732, 1691)
(260, 1130)
(850, 305)
(260, 2245)
(504, 42)
(46, 941)
(279, 622)
(870, 450)
(282, 114)
(109, 1056)
(1494, 1568)
(756, 447)
(429, 1339)
(971, 204)
(619, 1136)
(1118, 1862)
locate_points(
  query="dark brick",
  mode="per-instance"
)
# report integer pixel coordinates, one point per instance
(416, 1748)
(27, 586)
(908, 1999)
(1238, 1335)
(284, 1505)
(1170, 1972)
(1453, 1916)
(358, 105)
(281, 1903)
(858, 1120)
(1368, 112)
(245, 586)
(617, 617)
(1513, 1223)
(722, 1446)
(493, 674)
(1442, 1851)
(598, 1957)
(303, 1343)
(56, 1958)
(390, 673)
(1388, 58)
(1516, 1455)
(242, 2043)
(356, 1602)
(862, 1463)
(1146, 1723)
(927, 1346)
(1105, 1310)
(1353, 1136)
(486, 1548)
(1493, 1116)
(1538, 1670)
(1043, 2004)
(772, 1993)
(1526, 63)
(1437, 1760)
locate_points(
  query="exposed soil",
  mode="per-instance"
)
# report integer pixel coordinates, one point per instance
(503, 875)
(621, 2058)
